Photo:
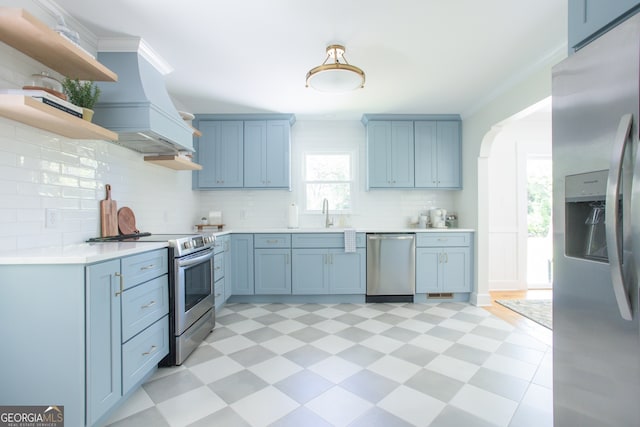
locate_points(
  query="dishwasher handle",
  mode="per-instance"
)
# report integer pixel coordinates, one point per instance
(379, 237)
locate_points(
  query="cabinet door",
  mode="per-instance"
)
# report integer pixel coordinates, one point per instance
(272, 271)
(428, 262)
(255, 153)
(310, 271)
(347, 271)
(402, 156)
(230, 155)
(378, 154)
(449, 155)
(104, 364)
(219, 151)
(426, 136)
(278, 150)
(588, 18)
(242, 264)
(206, 155)
(456, 274)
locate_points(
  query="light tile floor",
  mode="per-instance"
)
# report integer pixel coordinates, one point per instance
(439, 365)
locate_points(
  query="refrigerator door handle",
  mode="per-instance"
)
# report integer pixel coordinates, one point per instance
(614, 248)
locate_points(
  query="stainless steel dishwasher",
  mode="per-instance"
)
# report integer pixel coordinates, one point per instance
(391, 267)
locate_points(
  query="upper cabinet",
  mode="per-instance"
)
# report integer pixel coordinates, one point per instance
(27, 34)
(413, 151)
(267, 148)
(438, 154)
(219, 151)
(243, 151)
(588, 19)
(390, 154)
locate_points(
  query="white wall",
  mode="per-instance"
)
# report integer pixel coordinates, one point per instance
(376, 208)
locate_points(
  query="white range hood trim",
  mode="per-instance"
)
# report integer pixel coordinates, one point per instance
(135, 44)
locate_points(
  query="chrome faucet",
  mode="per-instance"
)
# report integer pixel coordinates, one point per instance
(325, 210)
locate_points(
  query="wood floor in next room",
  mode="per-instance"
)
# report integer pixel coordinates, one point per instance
(529, 326)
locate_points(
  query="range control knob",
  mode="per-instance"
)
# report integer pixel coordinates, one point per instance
(207, 239)
(187, 244)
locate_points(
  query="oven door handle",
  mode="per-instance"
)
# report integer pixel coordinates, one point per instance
(208, 254)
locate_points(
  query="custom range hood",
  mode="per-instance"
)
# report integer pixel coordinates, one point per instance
(138, 106)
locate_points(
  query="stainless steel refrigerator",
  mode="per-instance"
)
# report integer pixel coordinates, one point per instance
(596, 222)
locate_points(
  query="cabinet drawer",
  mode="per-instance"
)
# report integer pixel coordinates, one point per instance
(142, 353)
(272, 241)
(218, 267)
(142, 305)
(218, 245)
(324, 240)
(142, 267)
(442, 239)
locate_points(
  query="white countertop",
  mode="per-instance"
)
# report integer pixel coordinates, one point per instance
(87, 253)
(83, 253)
(256, 230)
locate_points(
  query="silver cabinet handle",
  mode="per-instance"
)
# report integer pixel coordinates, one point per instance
(148, 267)
(272, 241)
(614, 247)
(151, 351)
(446, 256)
(117, 274)
(149, 304)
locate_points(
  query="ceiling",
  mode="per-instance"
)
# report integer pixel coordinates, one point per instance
(419, 56)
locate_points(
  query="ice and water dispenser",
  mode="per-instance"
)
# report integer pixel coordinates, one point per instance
(585, 220)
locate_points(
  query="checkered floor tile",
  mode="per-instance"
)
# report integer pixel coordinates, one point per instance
(439, 365)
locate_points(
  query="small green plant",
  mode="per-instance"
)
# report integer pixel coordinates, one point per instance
(81, 93)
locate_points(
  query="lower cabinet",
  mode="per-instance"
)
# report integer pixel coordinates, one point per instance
(127, 329)
(242, 264)
(272, 271)
(443, 263)
(328, 271)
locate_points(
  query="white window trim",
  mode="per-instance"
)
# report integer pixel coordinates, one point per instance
(352, 182)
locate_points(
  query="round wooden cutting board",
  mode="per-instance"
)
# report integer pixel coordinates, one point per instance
(127, 221)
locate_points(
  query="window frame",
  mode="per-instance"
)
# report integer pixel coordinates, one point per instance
(350, 182)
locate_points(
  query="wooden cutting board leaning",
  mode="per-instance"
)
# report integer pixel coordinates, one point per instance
(127, 221)
(108, 215)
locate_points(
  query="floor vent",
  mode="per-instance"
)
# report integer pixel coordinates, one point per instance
(443, 295)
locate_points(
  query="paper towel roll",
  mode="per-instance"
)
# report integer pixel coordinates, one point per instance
(293, 216)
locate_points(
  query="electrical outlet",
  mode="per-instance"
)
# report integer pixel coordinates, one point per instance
(52, 218)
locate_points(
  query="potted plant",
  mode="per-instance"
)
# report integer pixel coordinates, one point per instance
(83, 94)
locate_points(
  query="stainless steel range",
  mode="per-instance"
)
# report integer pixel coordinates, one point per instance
(191, 297)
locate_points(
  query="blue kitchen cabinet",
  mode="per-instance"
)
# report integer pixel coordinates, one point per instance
(104, 339)
(272, 257)
(320, 264)
(443, 262)
(588, 19)
(309, 271)
(267, 151)
(220, 152)
(272, 271)
(347, 271)
(242, 278)
(390, 154)
(438, 154)
(219, 278)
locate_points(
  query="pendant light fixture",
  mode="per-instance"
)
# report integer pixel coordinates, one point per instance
(335, 74)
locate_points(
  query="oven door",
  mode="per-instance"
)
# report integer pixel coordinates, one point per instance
(193, 288)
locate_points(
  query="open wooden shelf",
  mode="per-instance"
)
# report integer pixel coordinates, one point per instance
(32, 112)
(173, 162)
(24, 32)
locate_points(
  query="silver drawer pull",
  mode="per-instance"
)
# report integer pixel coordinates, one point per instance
(272, 241)
(218, 295)
(150, 304)
(121, 283)
(151, 350)
(218, 268)
(148, 267)
(442, 239)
